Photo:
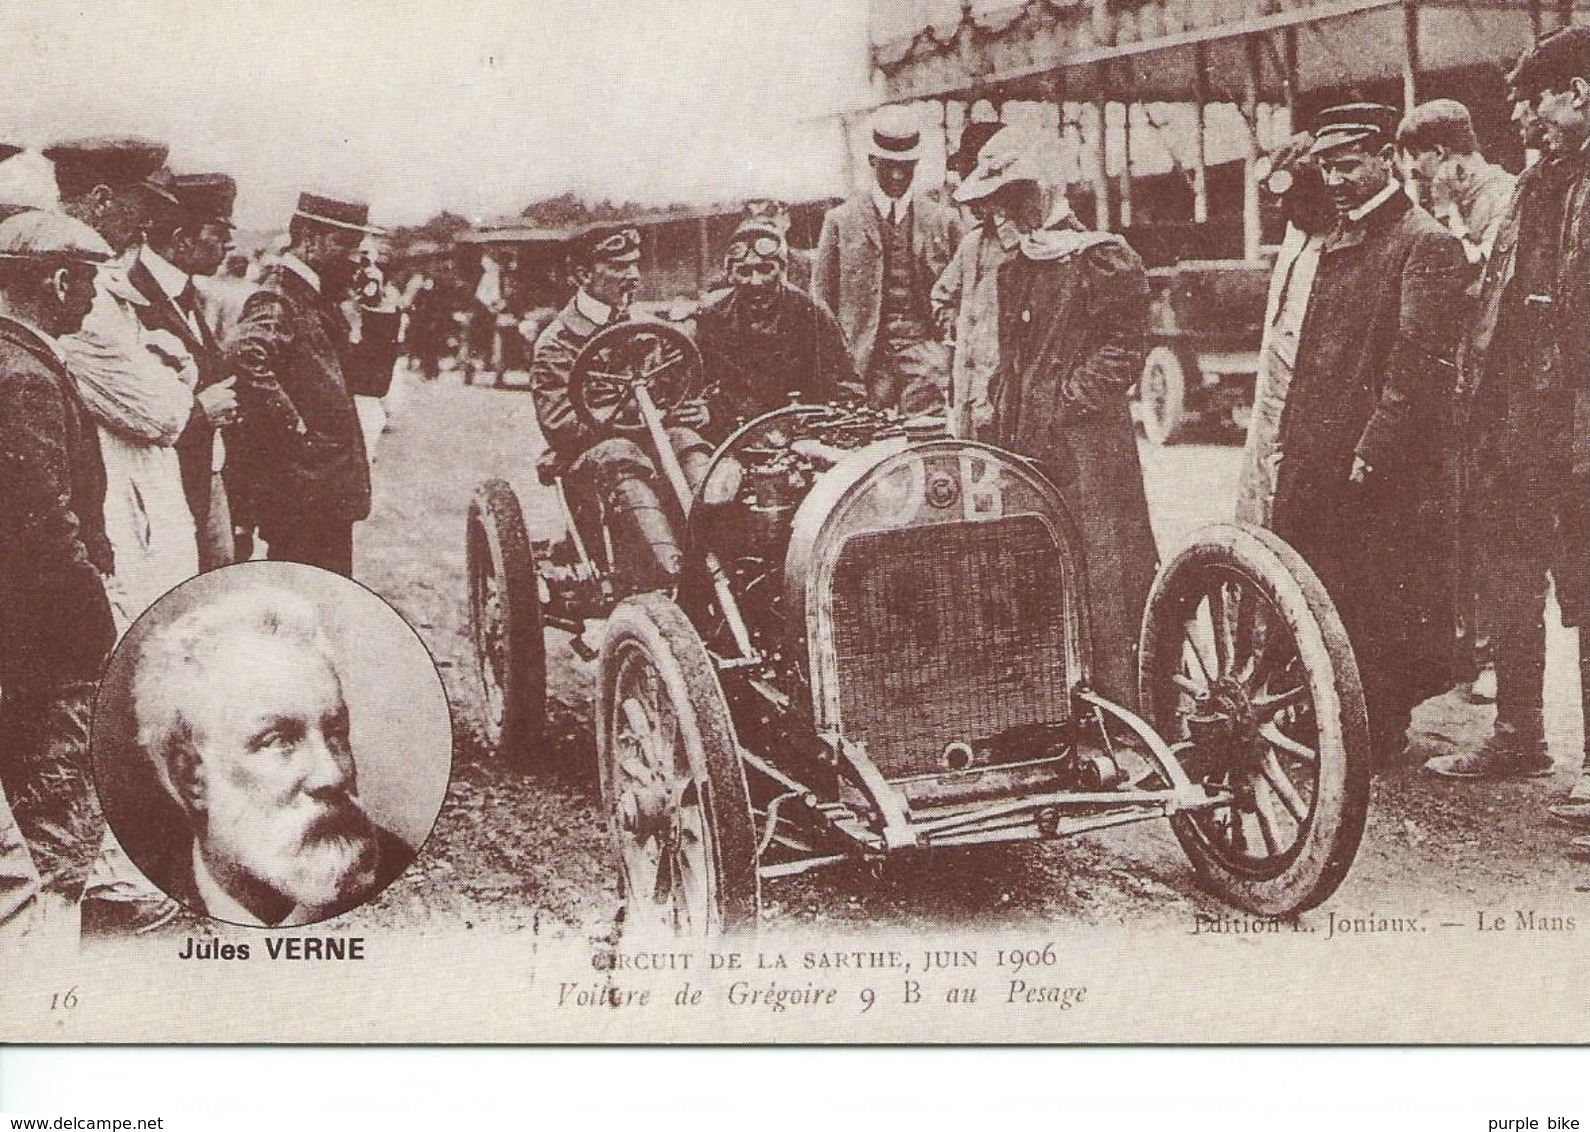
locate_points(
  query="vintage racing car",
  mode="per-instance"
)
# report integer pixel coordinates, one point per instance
(880, 644)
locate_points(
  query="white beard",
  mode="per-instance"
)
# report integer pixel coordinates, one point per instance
(316, 868)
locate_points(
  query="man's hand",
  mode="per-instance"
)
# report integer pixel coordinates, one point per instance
(692, 414)
(218, 402)
(1361, 471)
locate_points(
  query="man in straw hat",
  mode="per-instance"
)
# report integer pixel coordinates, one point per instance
(138, 383)
(55, 621)
(299, 450)
(877, 259)
(1527, 408)
(1073, 309)
(1360, 489)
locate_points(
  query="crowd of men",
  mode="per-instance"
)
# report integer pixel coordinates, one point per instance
(1419, 432)
(148, 432)
(150, 428)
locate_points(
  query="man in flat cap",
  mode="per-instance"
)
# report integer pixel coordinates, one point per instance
(138, 383)
(877, 260)
(965, 298)
(299, 452)
(55, 621)
(1526, 376)
(185, 238)
(1073, 310)
(610, 479)
(1360, 490)
(763, 343)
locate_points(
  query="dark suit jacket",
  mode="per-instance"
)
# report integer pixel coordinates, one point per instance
(847, 275)
(299, 452)
(55, 622)
(196, 444)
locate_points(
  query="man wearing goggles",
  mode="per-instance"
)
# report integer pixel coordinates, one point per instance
(609, 480)
(763, 343)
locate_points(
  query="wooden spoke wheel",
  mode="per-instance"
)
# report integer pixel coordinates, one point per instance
(1244, 657)
(672, 780)
(505, 624)
(1162, 396)
(625, 355)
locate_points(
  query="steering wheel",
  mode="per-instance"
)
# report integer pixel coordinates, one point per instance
(620, 357)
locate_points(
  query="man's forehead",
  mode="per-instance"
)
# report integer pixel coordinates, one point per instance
(267, 676)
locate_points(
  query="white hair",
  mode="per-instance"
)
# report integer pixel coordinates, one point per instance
(175, 660)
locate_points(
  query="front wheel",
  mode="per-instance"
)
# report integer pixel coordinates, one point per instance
(505, 623)
(672, 780)
(1245, 658)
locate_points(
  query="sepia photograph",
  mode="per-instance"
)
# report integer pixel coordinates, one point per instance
(797, 521)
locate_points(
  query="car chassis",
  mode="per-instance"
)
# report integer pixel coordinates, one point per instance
(879, 643)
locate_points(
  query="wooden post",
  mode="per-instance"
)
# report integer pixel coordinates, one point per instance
(1101, 165)
(1289, 62)
(703, 254)
(848, 148)
(1410, 55)
(1251, 233)
(1200, 151)
(1126, 163)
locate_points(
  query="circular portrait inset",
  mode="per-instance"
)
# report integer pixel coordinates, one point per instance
(271, 744)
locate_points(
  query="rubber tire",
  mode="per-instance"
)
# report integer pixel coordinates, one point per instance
(654, 623)
(1165, 426)
(496, 529)
(1341, 799)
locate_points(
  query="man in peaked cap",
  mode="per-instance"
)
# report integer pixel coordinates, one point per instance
(55, 622)
(300, 455)
(1360, 490)
(183, 238)
(877, 260)
(1526, 379)
(138, 383)
(610, 479)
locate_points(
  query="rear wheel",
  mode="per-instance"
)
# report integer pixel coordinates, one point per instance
(505, 623)
(1244, 657)
(1162, 396)
(672, 779)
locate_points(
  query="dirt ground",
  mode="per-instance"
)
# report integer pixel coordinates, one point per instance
(512, 851)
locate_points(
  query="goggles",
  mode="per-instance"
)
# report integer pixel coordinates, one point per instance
(1277, 182)
(619, 243)
(760, 247)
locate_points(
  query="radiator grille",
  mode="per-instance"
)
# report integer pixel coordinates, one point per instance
(944, 632)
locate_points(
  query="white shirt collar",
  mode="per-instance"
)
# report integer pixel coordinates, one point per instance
(172, 279)
(219, 903)
(1393, 187)
(301, 269)
(888, 207)
(591, 307)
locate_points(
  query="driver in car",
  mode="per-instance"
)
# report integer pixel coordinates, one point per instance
(613, 486)
(764, 344)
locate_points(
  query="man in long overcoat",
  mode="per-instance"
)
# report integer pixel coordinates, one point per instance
(1073, 310)
(1359, 489)
(1527, 383)
(877, 259)
(299, 449)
